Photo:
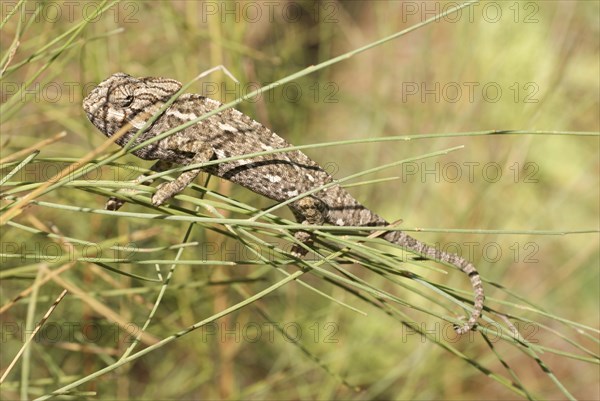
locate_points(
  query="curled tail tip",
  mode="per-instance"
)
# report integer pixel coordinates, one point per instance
(472, 322)
(462, 329)
(467, 327)
(479, 293)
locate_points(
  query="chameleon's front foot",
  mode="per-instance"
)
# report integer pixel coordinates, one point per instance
(113, 203)
(167, 190)
(163, 193)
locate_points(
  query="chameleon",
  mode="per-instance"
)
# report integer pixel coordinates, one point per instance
(122, 100)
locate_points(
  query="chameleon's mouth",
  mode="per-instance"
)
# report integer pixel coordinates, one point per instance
(91, 103)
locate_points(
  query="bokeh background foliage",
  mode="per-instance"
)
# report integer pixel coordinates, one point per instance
(522, 65)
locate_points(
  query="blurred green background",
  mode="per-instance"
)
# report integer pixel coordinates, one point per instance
(498, 65)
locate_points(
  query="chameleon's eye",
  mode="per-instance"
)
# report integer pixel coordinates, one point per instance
(120, 96)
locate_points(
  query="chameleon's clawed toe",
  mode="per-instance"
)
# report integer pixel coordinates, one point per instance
(113, 203)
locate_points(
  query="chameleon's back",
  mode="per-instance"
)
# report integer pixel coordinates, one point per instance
(123, 99)
(279, 176)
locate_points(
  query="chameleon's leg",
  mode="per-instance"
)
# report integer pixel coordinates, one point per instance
(309, 211)
(202, 153)
(115, 203)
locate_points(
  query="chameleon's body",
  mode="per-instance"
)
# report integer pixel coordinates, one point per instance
(122, 99)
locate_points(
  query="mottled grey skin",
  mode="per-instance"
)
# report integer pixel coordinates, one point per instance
(122, 99)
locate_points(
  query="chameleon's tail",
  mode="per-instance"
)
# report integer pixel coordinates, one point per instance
(406, 241)
(353, 213)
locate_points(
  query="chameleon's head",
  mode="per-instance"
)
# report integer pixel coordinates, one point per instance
(122, 98)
